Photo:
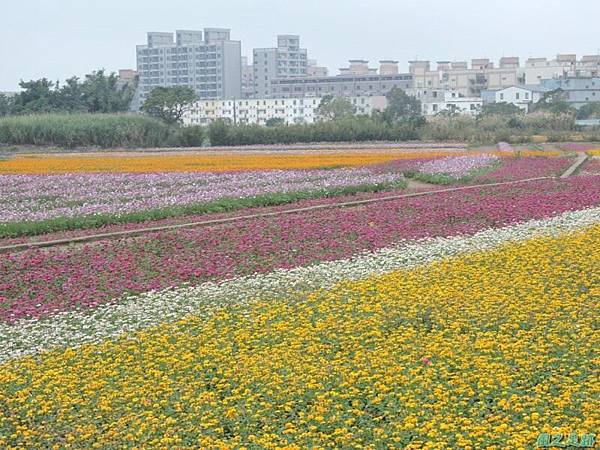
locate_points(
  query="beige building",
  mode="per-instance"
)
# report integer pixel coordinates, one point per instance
(314, 70)
(565, 65)
(357, 67)
(458, 77)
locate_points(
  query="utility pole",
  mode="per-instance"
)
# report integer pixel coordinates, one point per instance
(234, 112)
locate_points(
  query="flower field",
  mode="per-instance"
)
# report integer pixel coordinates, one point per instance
(462, 319)
(27, 198)
(216, 162)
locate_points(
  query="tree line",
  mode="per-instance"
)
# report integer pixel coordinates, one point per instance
(97, 92)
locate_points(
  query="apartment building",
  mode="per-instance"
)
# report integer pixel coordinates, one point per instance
(564, 65)
(314, 70)
(247, 78)
(452, 101)
(467, 81)
(287, 60)
(259, 111)
(209, 62)
(356, 80)
(578, 90)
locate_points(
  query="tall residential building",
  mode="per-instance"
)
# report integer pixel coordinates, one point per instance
(287, 60)
(247, 78)
(209, 62)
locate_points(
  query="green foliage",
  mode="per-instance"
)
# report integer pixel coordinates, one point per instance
(355, 129)
(500, 109)
(98, 93)
(218, 133)
(554, 102)
(84, 130)
(102, 93)
(218, 206)
(588, 111)
(6, 105)
(335, 108)
(402, 108)
(169, 103)
(487, 129)
(191, 136)
(275, 122)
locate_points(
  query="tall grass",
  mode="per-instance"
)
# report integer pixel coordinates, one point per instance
(85, 130)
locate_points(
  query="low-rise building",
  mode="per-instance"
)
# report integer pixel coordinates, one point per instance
(521, 96)
(314, 70)
(452, 101)
(259, 111)
(565, 65)
(578, 90)
(468, 82)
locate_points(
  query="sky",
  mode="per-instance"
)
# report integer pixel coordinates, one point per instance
(61, 38)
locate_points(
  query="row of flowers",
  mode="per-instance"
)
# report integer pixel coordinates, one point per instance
(209, 161)
(457, 167)
(484, 350)
(135, 313)
(42, 282)
(224, 161)
(42, 197)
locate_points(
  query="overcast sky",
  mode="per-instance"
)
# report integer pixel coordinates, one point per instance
(60, 38)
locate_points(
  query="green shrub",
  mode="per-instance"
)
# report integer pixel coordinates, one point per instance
(84, 130)
(192, 136)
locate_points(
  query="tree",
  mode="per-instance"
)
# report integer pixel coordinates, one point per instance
(554, 102)
(450, 111)
(402, 108)
(275, 122)
(69, 97)
(6, 105)
(98, 93)
(587, 111)
(36, 96)
(105, 94)
(500, 109)
(169, 103)
(218, 133)
(335, 108)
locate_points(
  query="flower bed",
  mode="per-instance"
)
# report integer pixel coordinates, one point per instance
(485, 350)
(38, 283)
(513, 169)
(101, 198)
(207, 162)
(457, 167)
(135, 313)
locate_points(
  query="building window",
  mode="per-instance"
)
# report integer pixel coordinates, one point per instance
(501, 96)
(518, 96)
